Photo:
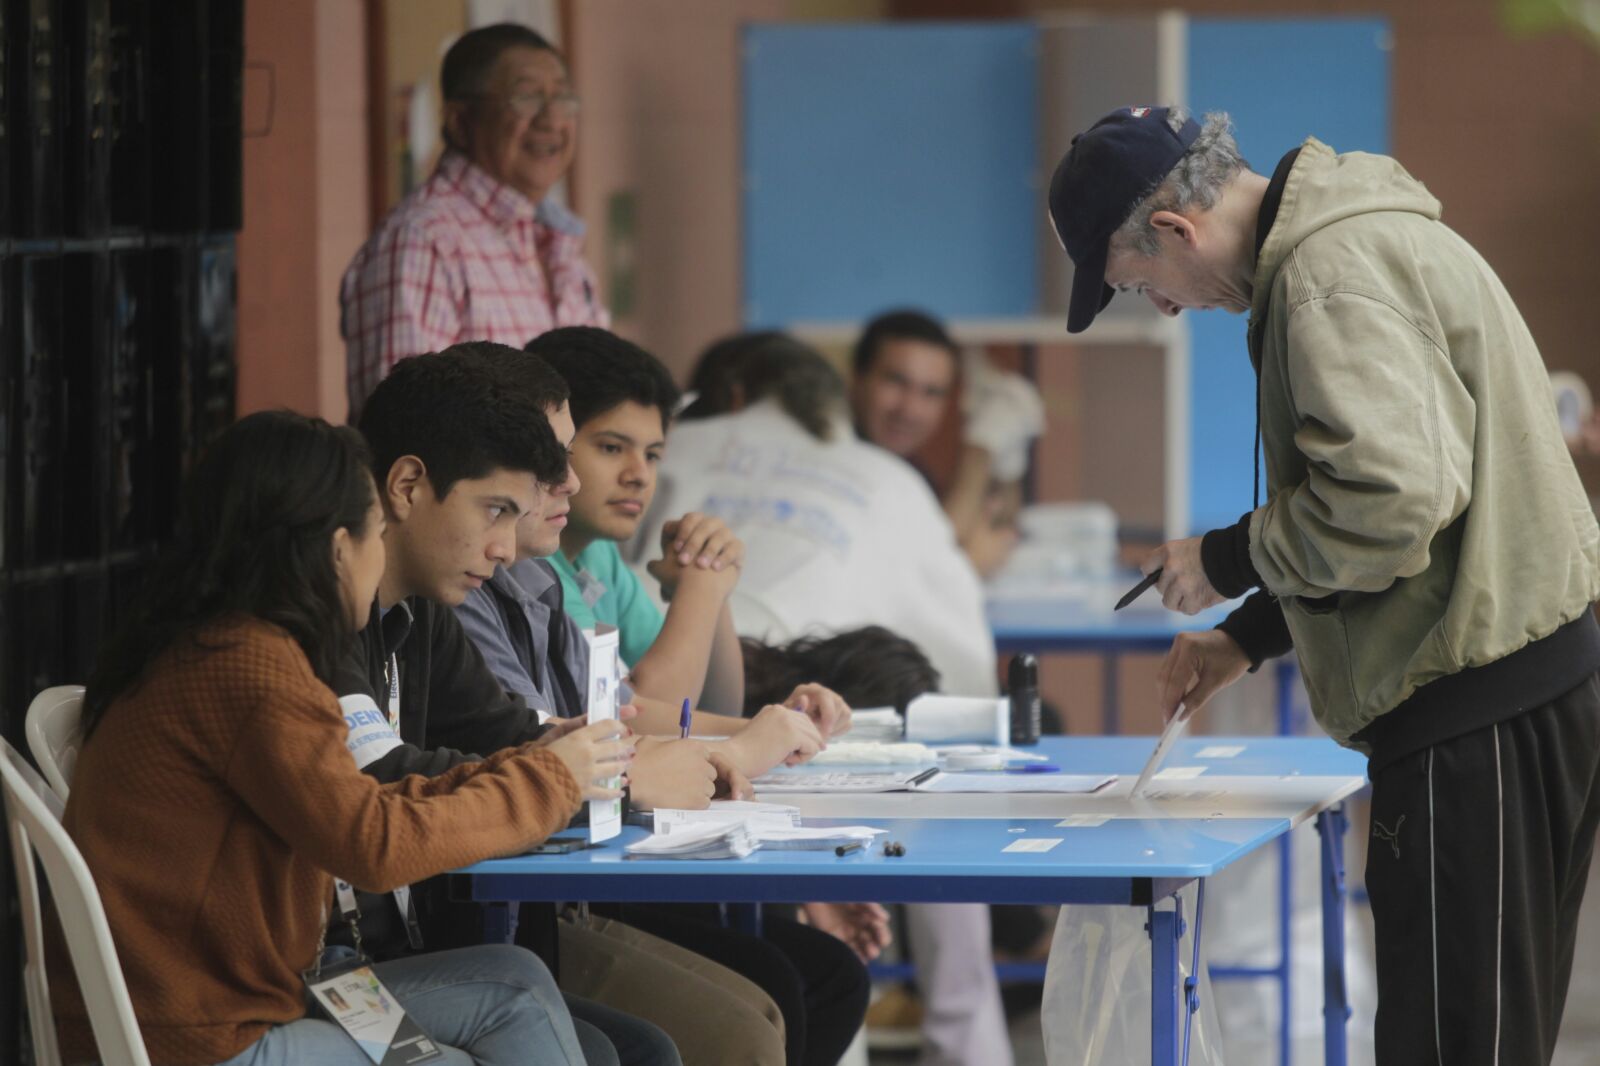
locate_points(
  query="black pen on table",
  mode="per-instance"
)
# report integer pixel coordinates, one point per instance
(1138, 590)
(844, 849)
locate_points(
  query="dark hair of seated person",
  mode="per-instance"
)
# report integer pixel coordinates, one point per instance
(605, 371)
(903, 324)
(464, 413)
(748, 367)
(253, 537)
(868, 667)
(470, 60)
(533, 373)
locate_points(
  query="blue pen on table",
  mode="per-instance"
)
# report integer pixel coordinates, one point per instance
(1034, 768)
(684, 718)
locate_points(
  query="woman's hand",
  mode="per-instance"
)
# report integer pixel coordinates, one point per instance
(594, 754)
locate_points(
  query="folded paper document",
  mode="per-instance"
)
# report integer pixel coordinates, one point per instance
(1169, 736)
(820, 838)
(728, 840)
(877, 723)
(721, 812)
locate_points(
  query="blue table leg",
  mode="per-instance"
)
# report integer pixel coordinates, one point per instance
(1331, 826)
(1286, 677)
(1109, 713)
(1166, 979)
(1285, 942)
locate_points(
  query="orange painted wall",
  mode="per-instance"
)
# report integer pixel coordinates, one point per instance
(305, 199)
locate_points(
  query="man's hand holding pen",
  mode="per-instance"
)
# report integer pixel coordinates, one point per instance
(1183, 584)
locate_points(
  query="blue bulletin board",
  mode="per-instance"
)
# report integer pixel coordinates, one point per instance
(890, 164)
(1281, 81)
(898, 163)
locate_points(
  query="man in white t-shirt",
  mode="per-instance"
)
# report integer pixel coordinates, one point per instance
(840, 534)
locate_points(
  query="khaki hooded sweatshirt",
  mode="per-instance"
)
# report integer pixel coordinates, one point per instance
(1424, 520)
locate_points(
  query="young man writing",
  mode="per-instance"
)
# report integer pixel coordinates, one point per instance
(818, 984)
(463, 456)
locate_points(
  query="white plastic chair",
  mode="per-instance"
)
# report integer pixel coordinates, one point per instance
(52, 732)
(33, 823)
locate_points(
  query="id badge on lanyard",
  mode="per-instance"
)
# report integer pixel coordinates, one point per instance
(353, 997)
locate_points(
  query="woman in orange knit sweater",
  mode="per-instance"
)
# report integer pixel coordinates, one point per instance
(215, 799)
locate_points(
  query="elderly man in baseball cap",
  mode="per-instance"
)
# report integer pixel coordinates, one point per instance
(1425, 546)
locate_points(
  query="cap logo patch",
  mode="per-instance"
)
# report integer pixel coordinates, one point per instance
(1138, 112)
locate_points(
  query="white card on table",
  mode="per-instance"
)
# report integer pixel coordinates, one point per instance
(1034, 844)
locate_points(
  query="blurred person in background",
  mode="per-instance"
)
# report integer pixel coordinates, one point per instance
(838, 535)
(906, 369)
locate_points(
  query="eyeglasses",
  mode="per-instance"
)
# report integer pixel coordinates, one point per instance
(532, 104)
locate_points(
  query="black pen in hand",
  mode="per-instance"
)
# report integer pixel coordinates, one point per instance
(1138, 590)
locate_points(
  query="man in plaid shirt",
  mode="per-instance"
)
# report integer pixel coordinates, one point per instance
(477, 252)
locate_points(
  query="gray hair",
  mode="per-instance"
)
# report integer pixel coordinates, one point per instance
(1196, 181)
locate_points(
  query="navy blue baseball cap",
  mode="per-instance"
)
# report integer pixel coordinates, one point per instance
(1110, 167)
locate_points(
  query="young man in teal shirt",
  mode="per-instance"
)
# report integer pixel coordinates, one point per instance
(622, 400)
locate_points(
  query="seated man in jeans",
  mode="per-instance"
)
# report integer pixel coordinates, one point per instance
(527, 637)
(461, 454)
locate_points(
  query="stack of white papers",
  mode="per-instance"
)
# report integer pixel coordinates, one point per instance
(874, 753)
(821, 838)
(728, 840)
(877, 723)
(754, 815)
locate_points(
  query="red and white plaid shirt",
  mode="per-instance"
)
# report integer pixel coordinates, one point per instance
(461, 258)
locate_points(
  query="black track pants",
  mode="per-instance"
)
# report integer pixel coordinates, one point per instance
(1476, 868)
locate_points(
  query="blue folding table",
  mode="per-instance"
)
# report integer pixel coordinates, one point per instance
(955, 852)
(1052, 623)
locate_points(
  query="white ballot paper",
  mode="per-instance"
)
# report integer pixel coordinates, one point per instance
(605, 677)
(757, 816)
(928, 781)
(712, 840)
(1169, 736)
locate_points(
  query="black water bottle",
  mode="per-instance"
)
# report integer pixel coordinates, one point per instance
(1022, 682)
